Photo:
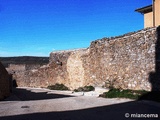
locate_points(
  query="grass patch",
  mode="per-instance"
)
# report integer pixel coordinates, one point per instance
(117, 93)
(85, 89)
(58, 87)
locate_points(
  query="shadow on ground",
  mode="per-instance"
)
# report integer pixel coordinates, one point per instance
(111, 112)
(26, 95)
(151, 96)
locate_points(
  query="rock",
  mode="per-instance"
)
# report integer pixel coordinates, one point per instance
(100, 90)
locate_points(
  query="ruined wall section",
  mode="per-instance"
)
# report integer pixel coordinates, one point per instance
(69, 68)
(123, 62)
(16, 67)
(65, 67)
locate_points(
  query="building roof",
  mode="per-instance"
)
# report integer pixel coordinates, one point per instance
(145, 9)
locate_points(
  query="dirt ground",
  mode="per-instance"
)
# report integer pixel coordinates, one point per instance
(43, 104)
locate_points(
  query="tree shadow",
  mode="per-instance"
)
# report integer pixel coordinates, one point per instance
(27, 95)
(154, 77)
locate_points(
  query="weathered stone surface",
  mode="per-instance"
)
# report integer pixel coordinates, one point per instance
(122, 62)
(4, 82)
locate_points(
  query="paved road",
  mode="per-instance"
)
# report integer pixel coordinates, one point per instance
(42, 104)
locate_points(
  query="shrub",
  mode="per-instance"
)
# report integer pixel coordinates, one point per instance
(58, 87)
(85, 89)
(117, 93)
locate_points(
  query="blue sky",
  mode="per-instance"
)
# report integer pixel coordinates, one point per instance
(38, 27)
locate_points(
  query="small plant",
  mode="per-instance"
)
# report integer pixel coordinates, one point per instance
(117, 93)
(58, 86)
(85, 89)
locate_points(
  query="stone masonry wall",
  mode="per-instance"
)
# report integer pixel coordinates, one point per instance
(4, 82)
(123, 62)
(21, 67)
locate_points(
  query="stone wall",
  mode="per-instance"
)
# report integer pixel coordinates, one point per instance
(15, 67)
(59, 70)
(123, 62)
(4, 82)
(22, 67)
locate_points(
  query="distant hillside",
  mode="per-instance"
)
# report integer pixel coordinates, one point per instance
(24, 60)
